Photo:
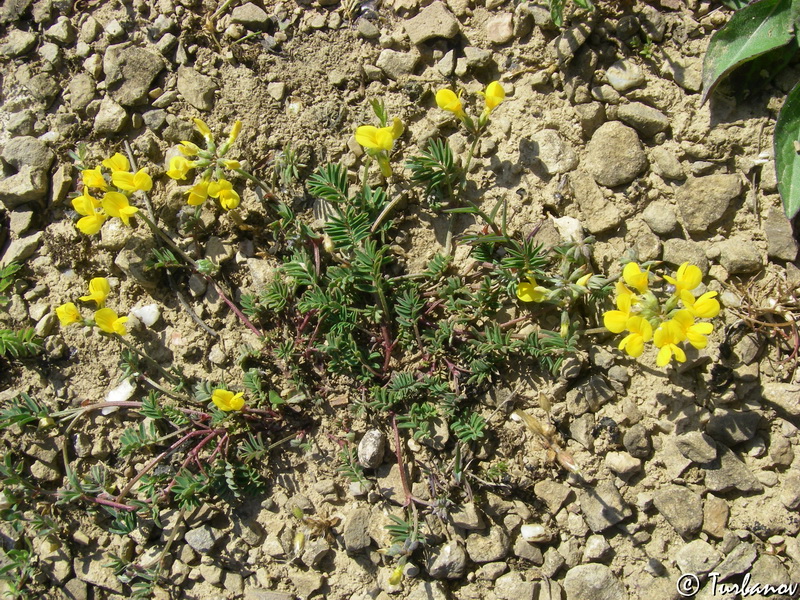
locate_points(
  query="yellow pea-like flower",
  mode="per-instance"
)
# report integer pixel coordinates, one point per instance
(687, 277)
(530, 291)
(226, 401)
(107, 320)
(117, 205)
(132, 182)
(640, 332)
(188, 149)
(118, 162)
(224, 192)
(99, 289)
(179, 167)
(695, 332)
(198, 194)
(93, 178)
(375, 138)
(68, 314)
(635, 277)
(447, 99)
(235, 131)
(204, 130)
(232, 164)
(704, 307)
(617, 320)
(494, 95)
(91, 224)
(667, 337)
(85, 204)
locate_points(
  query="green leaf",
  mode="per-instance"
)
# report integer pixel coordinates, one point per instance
(787, 158)
(752, 31)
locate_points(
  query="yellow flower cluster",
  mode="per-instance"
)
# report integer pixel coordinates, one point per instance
(116, 184)
(211, 162)
(105, 318)
(379, 141)
(493, 95)
(226, 401)
(640, 314)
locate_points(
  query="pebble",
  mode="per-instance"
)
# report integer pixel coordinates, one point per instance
(44, 88)
(367, 29)
(623, 464)
(432, 22)
(682, 508)
(20, 123)
(781, 243)
(737, 561)
(197, 89)
(130, 72)
(488, 547)
(356, 530)
(666, 164)
(727, 472)
(61, 32)
(500, 28)
(591, 115)
(554, 152)
(82, 91)
(637, 441)
(715, 516)
(491, 571)
(512, 586)
(114, 30)
(251, 16)
(448, 562)
(783, 396)
(427, 590)
(597, 549)
(606, 93)
(528, 551)
(739, 255)
(733, 427)
(603, 506)
(477, 58)
(203, 539)
(717, 192)
(624, 75)
(645, 119)
(30, 151)
(678, 251)
(614, 155)
(18, 43)
(660, 217)
(29, 185)
(697, 447)
(552, 493)
(467, 517)
(570, 40)
(111, 118)
(371, 449)
(593, 581)
(697, 557)
(397, 64)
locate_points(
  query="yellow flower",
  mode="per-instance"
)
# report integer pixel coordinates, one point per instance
(695, 332)
(223, 190)
(202, 128)
(635, 277)
(98, 291)
(226, 400)
(68, 314)
(118, 162)
(374, 138)
(667, 337)
(584, 281)
(640, 332)
(108, 321)
(447, 100)
(704, 307)
(232, 164)
(616, 321)
(179, 167)
(92, 220)
(85, 204)
(235, 130)
(188, 149)
(529, 291)
(91, 224)
(493, 95)
(198, 194)
(116, 205)
(93, 178)
(132, 182)
(688, 277)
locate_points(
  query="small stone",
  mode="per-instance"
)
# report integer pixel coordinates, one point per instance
(607, 94)
(391, 483)
(733, 427)
(432, 22)
(737, 561)
(780, 450)
(623, 464)
(111, 118)
(781, 243)
(211, 574)
(727, 472)
(593, 582)
(637, 441)
(646, 120)
(597, 549)
(367, 29)
(44, 88)
(614, 155)
(624, 75)
(20, 123)
(20, 221)
(61, 32)
(477, 58)
(677, 251)
(488, 547)
(203, 539)
(528, 551)
(356, 531)
(491, 571)
(21, 248)
(155, 119)
(681, 507)
(697, 557)
(666, 164)
(90, 30)
(315, 551)
(717, 192)
(591, 115)
(251, 16)
(197, 89)
(427, 590)
(30, 151)
(82, 91)
(697, 447)
(277, 90)
(554, 153)
(603, 506)
(45, 325)
(114, 30)
(535, 533)
(738, 254)
(447, 64)
(467, 517)
(371, 449)
(599, 214)
(18, 43)
(449, 562)
(570, 40)
(93, 571)
(395, 64)
(790, 494)
(660, 217)
(782, 395)
(130, 72)
(715, 516)
(552, 493)
(500, 28)
(512, 586)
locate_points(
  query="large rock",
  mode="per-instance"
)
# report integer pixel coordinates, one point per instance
(197, 89)
(448, 562)
(593, 582)
(130, 72)
(29, 185)
(603, 506)
(251, 16)
(356, 531)
(614, 155)
(727, 472)
(18, 43)
(488, 547)
(703, 200)
(27, 150)
(697, 557)
(740, 255)
(434, 21)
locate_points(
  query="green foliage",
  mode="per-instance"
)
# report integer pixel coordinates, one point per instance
(22, 409)
(6, 279)
(287, 165)
(787, 158)
(18, 569)
(330, 183)
(469, 428)
(557, 9)
(437, 171)
(19, 344)
(135, 438)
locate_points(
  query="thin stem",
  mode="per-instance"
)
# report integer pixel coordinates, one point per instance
(167, 375)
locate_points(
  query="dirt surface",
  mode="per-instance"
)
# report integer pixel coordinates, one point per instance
(685, 469)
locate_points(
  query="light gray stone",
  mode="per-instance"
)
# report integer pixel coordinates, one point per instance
(593, 581)
(624, 75)
(781, 244)
(552, 493)
(645, 119)
(603, 506)
(432, 22)
(783, 396)
(716, 193)
(570, 40)
(44, 88)
(623, 464)
(681, 507)
(488, 546)
(93, 571)
(448, 562)
(614, 155)
(477, 58)
(111, 118)
(666, 164)
(21, 248)
(512, 586)
(130, 71)
(397, 64)
(660, 217)
(737, 561)
(356, 530)
(197, 89)
(597, 549)
(697, 447)
(27, 150)
(82, 90)
(62, 32)
(727, 472)
(697, 557)
(371, 449)
(599, 215)
(733, 427)
(18, 43)
(500, 28)
(251, 16)
(554, 152)
(739, 254)
(678, 251)
(467, 517)
(203, 539)
(29, 185)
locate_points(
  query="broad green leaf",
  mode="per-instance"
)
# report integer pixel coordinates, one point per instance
(735, 4)
(787, 157)
(752, 31)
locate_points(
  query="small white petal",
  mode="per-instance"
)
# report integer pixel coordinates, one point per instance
(147, 314)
